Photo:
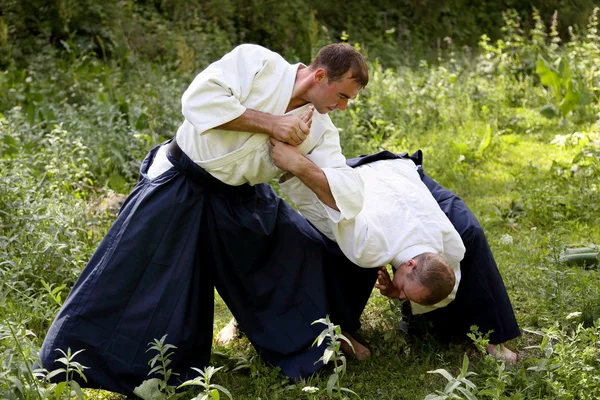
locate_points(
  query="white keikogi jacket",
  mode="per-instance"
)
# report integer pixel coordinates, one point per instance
(400, 219)
(252, 77)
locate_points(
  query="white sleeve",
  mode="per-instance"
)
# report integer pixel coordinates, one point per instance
(216, 95)
(346, 185)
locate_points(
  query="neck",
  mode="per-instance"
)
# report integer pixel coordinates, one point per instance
(302, 86)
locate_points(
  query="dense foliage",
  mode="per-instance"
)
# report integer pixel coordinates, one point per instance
(160, 30)
(513, 128)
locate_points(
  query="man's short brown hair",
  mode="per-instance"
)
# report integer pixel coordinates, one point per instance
(434, 273)
(339, 58)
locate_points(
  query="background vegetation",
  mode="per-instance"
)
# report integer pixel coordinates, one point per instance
(502, 97)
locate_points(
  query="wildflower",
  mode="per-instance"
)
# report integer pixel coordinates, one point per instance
(506, 239)
(574, 315)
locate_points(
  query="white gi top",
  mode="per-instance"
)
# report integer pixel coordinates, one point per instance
(400, 219)
(253, 77)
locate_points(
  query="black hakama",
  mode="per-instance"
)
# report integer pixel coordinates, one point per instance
(481, 298)
(176, 238)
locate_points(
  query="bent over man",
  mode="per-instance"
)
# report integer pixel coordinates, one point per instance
(481, 298)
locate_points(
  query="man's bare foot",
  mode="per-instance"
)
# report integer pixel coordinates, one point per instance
(227, 334)
(501, 351)
(361, 352)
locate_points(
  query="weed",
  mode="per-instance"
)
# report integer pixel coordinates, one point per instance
(333, 335)
(459, 383)
(209, 390)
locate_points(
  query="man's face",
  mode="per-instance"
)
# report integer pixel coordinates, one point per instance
(333, 95)
(410, 289)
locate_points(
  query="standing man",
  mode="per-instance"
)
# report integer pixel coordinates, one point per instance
(203, 216)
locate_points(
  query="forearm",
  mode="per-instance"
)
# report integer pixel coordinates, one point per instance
(251, 121)
(316, 180)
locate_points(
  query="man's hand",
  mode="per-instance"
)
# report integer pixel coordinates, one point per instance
(290, 159)
(286, 157)
(291, 129)
(285, 128)
(385, 285)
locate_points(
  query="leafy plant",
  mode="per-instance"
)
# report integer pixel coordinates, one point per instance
(69, 386)
(209, 390)
(568, 92)
(333, 335)
(18, 379)
(158, 388)
(459, 383)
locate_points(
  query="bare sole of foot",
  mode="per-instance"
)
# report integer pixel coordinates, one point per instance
(501, 351)
(227, 334)
(360, 352)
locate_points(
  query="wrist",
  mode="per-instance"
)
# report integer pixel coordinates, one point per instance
(302, 166)
(269, 125)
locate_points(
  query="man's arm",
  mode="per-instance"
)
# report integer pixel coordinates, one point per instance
(289, 158)
(345, 185)
(214, 99)
(285, 128)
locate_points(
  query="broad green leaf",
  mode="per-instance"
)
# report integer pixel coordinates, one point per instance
(451, 386)
(116, 182)
(52, 374)
(81, 374)
(570, 102)
(192, 382)
(345, 339)
(342, 365)
(549, 111)
(59, 389)
(319, 340)
(443, 373)
(327, 354)
(222, 389)
(468, 383)
(77, 390)
(149, 390)
(18, 384)
(331, 383)
(466, 393)
(486, 140)
(435, 397)
(155, 369)
(320, 321)
(548, 74)
(465, 366)
(564, 71)
(349, 391)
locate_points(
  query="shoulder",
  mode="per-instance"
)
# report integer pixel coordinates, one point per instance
(254, 52)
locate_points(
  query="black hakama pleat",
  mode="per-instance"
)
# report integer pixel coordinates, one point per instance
(176, 238)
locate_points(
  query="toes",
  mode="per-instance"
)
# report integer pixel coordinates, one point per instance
(226, 335)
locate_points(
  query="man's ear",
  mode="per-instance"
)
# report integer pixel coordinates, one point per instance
(411, 265)
(320, 75)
